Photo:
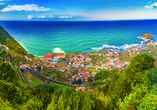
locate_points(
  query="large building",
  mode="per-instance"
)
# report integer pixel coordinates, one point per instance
(48, 57)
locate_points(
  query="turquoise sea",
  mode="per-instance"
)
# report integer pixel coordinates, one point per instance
(41, 37)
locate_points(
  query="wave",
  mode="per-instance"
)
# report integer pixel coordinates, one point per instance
(23, 46)
(57, 50)
(123, 47)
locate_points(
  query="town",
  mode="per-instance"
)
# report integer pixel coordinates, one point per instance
(80, 70)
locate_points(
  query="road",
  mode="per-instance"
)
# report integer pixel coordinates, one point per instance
(28, 70)
(27, 79)
(15, 68)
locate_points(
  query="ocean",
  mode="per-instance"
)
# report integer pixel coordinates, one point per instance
(43, 37)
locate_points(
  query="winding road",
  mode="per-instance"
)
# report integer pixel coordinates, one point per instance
(28, 70)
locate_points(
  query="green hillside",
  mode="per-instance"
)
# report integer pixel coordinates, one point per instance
(8, 40)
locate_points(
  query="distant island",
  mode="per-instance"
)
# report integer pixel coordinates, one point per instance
(147, 36)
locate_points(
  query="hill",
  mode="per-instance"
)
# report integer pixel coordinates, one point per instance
(8, 40)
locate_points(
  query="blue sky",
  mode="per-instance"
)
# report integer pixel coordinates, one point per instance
(77, 10)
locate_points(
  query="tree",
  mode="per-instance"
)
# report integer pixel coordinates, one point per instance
(129, 77)
(11, 91)
(7, 73)
(79, 81)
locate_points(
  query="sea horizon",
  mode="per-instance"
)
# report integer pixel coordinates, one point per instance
(41, 37)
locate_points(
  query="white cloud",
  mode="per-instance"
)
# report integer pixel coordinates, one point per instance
(41, 16)
(1, 0)
(30, 16)
(154, 5)
(2, 3)
(51, 16)
(150, 2)
(27, 7)
(65, 16)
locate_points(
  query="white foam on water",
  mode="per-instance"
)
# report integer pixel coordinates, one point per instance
(57, 50)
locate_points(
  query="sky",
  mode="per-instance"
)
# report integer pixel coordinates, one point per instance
(77, 10)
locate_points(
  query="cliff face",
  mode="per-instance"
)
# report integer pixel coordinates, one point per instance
(147, 36)
(8, 40)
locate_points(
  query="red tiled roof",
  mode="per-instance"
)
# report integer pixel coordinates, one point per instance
(93, 73)
(22, 66)
(73, 77)
(77, 78)
(119, 63)
(64, 67)
(86, 75)
(83, 88)
(26, 65)
(109, 62)
(88, 58)
(83, 71)
(52, 64)
(60, 55)
(79, 71)
(48, 56)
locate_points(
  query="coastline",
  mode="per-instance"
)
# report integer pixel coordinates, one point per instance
(124, 46)
(105, 46)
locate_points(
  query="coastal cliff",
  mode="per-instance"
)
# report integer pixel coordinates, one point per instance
(8, 40)
(147, 36)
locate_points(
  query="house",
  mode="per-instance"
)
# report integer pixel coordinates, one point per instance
(111, 59)
(97, 67)
(86, 76)
(34, 66)
(42, 67)
(93, 74)
(77, 78)
(71, 59)
(119, 69)
(149, 51)
(45, 63)
(127, 62)
(22, 66)
(7, 49)
(130, 53)
(64, 67)
(52, 65)
(138, 52)
(82, 88)
(116, 58)
(88, 59)
(108, 58)
(110, 63)
(119, 64)
(81, 73)
(75, 58)
(26, 57)
(73, 77)
(27, 65)
(55, 60)
(60, 56)
(110, 53)
(48, 57)
(108, 67)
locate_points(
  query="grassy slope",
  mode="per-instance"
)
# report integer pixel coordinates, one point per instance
(8, 40)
